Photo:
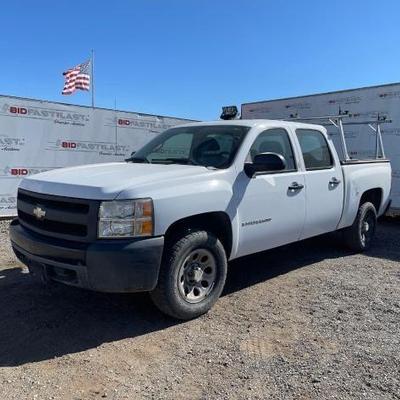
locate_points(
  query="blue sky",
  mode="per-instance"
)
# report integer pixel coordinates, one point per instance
(188, 58)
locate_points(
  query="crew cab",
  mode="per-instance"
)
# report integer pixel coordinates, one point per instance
(168, 219)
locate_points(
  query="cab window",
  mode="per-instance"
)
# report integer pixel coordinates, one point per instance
(315, 149)
(274, 140)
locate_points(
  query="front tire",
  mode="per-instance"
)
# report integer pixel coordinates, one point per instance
(358, 237)
(192, 276)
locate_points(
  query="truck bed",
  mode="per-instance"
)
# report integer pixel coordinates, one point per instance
(360, 176)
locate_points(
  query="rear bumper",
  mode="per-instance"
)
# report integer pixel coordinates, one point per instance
(103, 265)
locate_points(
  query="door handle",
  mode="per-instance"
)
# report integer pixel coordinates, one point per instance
(296, 186)
(334, 181)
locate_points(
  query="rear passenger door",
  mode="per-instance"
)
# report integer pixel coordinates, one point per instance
(323, 183)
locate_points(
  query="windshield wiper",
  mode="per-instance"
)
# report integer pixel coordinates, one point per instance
(137, 160)
(184, 161)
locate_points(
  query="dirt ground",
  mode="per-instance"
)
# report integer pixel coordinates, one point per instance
(306, 321)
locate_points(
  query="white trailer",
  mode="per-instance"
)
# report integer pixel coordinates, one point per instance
(36, 136)
(364, 107)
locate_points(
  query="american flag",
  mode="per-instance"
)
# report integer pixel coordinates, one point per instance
(77, 77)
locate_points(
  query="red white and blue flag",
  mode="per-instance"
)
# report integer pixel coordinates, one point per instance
(77, 77)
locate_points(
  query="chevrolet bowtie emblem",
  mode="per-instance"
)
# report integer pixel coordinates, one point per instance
(39, 212)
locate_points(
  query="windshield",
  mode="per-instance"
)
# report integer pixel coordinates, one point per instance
(209, 146)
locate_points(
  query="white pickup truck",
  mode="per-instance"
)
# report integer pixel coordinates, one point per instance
(169, 219)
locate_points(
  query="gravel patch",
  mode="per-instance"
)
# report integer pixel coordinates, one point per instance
(305, 321)
(7, 259)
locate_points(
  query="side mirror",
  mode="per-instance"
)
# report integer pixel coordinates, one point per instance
(265, 162)
(131, 156)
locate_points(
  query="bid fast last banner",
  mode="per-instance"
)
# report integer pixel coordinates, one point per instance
(364, 104)
(37, 136)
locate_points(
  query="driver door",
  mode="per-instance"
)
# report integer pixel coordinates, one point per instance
(272, 210)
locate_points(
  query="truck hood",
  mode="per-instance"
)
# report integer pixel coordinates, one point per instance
(106, 181)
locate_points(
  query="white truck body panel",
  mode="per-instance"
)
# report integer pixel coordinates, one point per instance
(263, 212)
(318, 191)
(278, 219)
(358, 178)
(106, 181)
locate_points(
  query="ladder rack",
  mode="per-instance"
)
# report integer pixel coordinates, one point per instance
(337, 121)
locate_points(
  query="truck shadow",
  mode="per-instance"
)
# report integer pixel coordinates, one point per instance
(40, 323)
(259, 267)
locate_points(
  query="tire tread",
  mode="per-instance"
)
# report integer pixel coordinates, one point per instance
(352, 233)
(161, 295)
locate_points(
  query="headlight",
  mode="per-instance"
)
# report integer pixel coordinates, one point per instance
(125, 218)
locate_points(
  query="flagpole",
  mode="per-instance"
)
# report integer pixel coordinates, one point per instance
(116, 124)
(92, 64)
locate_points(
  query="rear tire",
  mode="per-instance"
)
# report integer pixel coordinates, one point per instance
(192, 276)
(358, 237)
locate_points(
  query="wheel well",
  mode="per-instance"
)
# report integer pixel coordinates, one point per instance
(218, 223)
(373, 196)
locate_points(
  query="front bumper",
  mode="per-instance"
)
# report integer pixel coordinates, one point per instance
(103, 265)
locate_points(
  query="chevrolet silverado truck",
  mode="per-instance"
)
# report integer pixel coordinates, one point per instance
(168, 219)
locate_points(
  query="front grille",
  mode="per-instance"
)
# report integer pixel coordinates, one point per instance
(48, 202)
(65, 218)
(53, 226)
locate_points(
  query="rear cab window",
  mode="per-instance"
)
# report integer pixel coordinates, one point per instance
(315, 149)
